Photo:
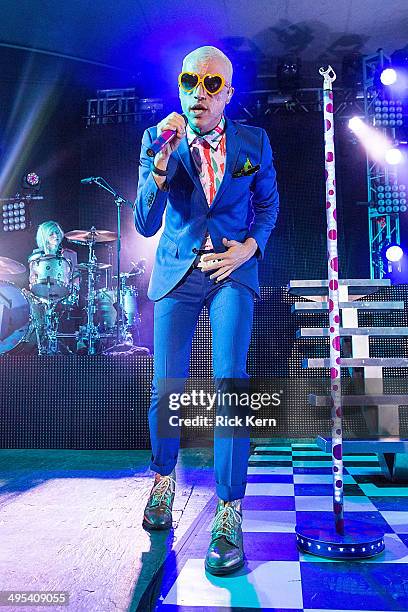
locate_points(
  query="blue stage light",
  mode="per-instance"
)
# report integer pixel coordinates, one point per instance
(388, 76)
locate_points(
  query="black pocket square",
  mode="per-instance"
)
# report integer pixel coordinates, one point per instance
(246, 170)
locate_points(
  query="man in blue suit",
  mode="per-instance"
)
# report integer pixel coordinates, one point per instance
(217, 185)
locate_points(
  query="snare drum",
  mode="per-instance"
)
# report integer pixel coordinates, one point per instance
(50, 277)
(14, 317)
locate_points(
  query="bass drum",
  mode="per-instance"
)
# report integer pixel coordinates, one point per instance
(14, 319)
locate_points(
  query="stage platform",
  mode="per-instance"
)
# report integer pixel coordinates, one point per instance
(71, 521)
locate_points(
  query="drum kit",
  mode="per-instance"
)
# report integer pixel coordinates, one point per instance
(31, 320)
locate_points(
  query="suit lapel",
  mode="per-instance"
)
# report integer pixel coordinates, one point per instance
(232, 150)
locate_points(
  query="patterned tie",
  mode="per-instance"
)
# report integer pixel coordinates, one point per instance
(197, 159)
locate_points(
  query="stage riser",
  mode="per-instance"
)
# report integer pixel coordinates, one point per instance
(102, 402)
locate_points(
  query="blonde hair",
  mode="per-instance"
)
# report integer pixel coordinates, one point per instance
(206, 53)
(44, 232)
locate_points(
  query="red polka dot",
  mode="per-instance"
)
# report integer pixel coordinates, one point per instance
(328, 125)
(332, 234)
(331, 192)
(328, 204)
(336, 343)
(329, 156)
(329, 107)
(333, 284)
(334, 263)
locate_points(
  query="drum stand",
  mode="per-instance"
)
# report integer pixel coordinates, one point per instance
(124, 340)
(48, 330)
(91, 330)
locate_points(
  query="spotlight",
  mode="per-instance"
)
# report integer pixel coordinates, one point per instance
(394, 253)
(395, 264)
(393, 156)
(288, 74)
(355, 124)
(31, 180)
(388, 76)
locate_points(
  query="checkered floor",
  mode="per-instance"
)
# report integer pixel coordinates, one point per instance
(284, 484)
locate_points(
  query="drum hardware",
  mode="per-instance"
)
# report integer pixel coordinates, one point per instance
(90, 332)
(95, 265)
(90, 237)
(14, 317)
(10, 266)
(120, 201)
(50, 277)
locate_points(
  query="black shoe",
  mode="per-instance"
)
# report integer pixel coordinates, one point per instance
(157, 513)
(226, 550)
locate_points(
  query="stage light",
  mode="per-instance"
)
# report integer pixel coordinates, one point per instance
(390, 197)
(31, 180)
(393, 156)
(394, 252)
(355, 124)
(388, 113)
(14, 216)
(388, 76)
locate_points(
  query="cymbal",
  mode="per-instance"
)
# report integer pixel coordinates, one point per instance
(10, 266)
(85, 236)
(97, 266)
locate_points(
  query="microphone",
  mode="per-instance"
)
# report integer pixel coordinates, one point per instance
(90, 179)
(161, 141)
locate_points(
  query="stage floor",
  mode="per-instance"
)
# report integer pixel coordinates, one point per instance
(71, 520)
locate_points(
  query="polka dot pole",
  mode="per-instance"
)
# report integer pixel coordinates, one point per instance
(334, 314)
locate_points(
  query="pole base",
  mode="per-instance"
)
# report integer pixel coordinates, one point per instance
(319, 537)
(126, 349)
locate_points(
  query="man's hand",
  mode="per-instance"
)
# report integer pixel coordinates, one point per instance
(175, 122)
(237, 254)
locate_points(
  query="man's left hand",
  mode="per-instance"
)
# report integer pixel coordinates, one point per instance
(237, 253)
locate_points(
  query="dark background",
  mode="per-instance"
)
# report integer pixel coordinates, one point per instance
(55, 142)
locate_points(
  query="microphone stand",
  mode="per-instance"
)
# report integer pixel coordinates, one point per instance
(119, 201)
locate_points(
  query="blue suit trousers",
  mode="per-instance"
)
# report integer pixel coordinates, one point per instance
(230, 306)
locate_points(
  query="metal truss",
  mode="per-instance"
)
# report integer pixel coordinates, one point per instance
(384, 226)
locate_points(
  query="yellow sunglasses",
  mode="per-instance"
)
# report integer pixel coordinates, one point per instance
(212, 83)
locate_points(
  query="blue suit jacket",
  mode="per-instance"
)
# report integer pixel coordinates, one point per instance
(242, 207)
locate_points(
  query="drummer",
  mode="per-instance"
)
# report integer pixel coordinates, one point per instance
(49, 237)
